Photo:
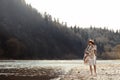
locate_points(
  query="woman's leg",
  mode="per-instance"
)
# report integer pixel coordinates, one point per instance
(95, 69)
(95, 66)
(91, 70)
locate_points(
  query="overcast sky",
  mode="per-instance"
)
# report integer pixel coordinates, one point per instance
(98, 13)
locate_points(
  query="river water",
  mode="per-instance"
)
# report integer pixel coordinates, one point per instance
(67, 64)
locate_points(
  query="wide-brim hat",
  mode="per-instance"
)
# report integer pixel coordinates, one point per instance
(91, 41)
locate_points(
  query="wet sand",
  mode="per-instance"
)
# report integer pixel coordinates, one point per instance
(29, 74)
(12, 77)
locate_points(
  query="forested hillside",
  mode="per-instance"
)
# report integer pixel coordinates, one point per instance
(107, 41)
(27, 34)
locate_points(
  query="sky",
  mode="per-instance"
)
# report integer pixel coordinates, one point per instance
(83, 13)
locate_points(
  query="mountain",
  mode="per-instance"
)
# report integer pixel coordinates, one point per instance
(27, 34)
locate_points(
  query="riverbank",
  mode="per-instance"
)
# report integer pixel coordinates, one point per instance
(105, 71)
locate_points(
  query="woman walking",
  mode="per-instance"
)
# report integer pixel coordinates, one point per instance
(90, 56)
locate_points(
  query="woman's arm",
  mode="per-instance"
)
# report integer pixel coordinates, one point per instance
(95, 50)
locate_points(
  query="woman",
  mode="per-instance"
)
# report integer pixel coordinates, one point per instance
(90, 56)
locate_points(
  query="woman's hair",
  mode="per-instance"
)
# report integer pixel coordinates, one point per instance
(91, 41)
